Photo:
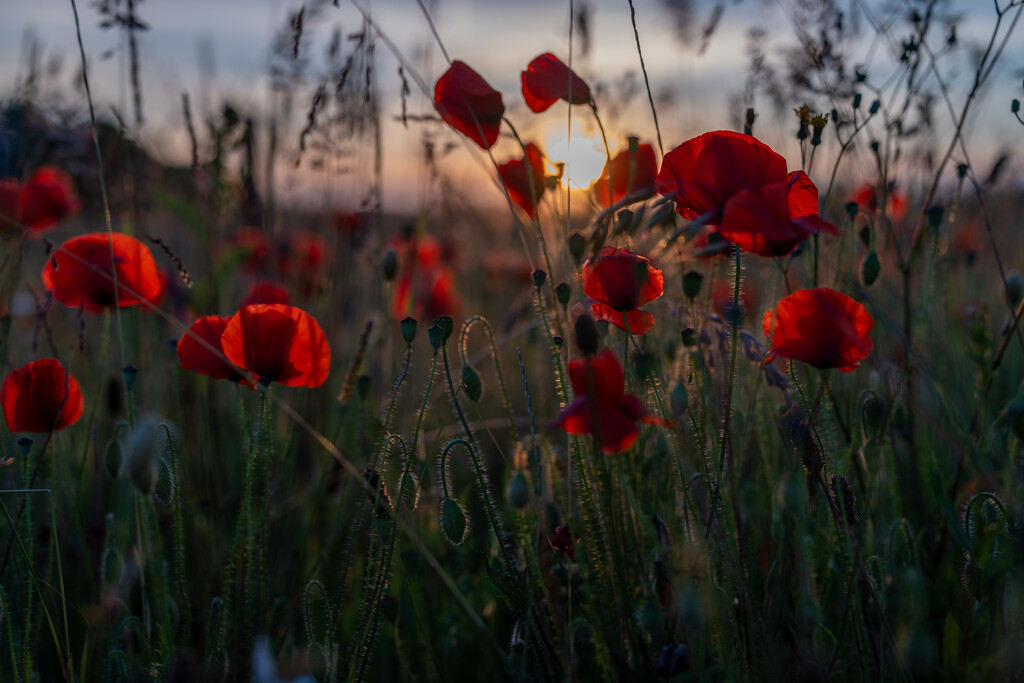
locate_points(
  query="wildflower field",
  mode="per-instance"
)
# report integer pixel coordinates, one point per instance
(746, 404)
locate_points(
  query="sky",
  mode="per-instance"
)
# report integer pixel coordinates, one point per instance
(497, 38)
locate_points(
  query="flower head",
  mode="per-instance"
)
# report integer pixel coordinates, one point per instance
(743, 184)
(868, 197)
(821, 327)
(80, 272)
(426, 286)
(599, 384)
(280, 343)
(633, 175)
(620, 281)
(547, 79)
(524, 179)
(41, 397)
(196, 356)
(467, 103)
(47, 198)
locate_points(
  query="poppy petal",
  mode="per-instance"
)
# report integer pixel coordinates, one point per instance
(467, 103)
(547, 79)
(40, 397)
(79, 272)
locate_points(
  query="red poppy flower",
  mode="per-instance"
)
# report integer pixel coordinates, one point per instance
(254, 247)
(426, 287)
(524, 179)
(821, 327)
(41, 397)
(547, 79)
(10, 205)
(467, 103)
(771, 220)
(599, 384)
(703, 173)
(281, 343)
(48, 198)
(80, 273)
(263, 292)
(867, 197)
(562, 543)
(619, 282)
(633, 176)
(195, 356)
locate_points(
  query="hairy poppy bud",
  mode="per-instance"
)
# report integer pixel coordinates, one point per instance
(577, 243)
(870, 267)
(843, 493)
(25, 444)
(363, 383)
(389, 264)
(539, 276)
(163, 490)
(679, 399)
(436, 336)
(692, 282)
(113, 458)
(689, 337)
(557, 340)
(872, 415)
(1014, 288)
(562, 292)
(472, 384)
(454, 524)
(587, 336)
(446, 324)
(519, 491)
(851, 209)
(409, 326)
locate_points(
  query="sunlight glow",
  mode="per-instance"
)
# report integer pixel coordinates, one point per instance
(583, 157)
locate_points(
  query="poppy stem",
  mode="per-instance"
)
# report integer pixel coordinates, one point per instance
(607, 154)
(464, 350)
(647, 82)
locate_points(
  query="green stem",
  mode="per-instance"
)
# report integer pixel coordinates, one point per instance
(463, 347)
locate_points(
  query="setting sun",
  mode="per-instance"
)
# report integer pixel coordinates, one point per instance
(583, 157)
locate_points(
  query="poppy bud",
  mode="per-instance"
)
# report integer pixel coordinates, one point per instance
(519, 491)
(163, 491)
(748, 124)
(557, 340)
(539, 276)
(25, 445)
(646, 364)
(587, 336)
(142, 454)
(113, 457)
(577, 243)
(111, 565)
(961, 171)
(1014, 106)
(446, 324)
(875, 146)
(679, 399)
(843, 493)
(691, 284)
(363, 386)
(409, 326)
(1014, 288)
(471, 383)
(436, 336)
(689, 337)
(856, 100)
(851, 210)
(804, 115)
(865, 236)
(870, 267)
(408, 230)
(872, 416)
(454, 524)
(562, 293)
(129, 376)
(934, 215)
(875, 104)
(389, 264)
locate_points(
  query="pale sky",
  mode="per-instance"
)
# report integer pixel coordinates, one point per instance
(497, 38)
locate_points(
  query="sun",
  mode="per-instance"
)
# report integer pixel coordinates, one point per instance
(583, 157)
